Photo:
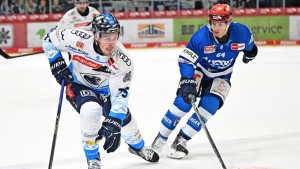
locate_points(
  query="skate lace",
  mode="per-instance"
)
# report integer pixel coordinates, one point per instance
(147, 154)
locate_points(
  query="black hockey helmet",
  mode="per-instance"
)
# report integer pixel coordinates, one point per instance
(105, 23)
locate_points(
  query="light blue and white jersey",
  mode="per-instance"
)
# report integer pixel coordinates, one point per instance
(102, 74)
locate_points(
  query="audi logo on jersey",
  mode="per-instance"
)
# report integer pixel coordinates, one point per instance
(124, 58)
(81, 34)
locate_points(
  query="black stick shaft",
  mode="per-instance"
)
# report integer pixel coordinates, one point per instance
(56, 124)
(192, 98)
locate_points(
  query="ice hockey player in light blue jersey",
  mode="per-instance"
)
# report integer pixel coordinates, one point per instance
(98, 82)
(206, 65)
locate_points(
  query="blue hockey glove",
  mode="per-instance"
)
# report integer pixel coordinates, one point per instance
(111, 130)
(61, 71)
(187, 86)
(250, 55)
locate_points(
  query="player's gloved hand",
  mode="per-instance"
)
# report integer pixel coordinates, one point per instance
(111, 130)
(187, 86)
(61, 71)
(248, 57)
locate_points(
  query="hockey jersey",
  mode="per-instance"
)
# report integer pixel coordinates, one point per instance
(214, 59)
(73, 20)
(104, 75)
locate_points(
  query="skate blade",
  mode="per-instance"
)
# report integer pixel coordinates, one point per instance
(176, 155)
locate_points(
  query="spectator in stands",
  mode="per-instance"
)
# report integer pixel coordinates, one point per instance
(130, 7)
(250, 4)
(4, 8)
(19, 8)
(159, 6)
(119, 6)
(292, 3)
(69, 4)
(223, 2)
(56, 7)
(198, 5)
(42, 8)
(31, 6)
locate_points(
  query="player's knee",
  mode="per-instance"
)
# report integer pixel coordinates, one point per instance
(181, 104)
(210, 103)
(90, 116)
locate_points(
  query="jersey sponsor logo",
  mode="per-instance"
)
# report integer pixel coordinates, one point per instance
(81, 24)
(127, 77)
(125, 58)
(182, 60)
(81, 34)
(86, 62)
(85, 93)
(210, 49)
(220, 64)
(237, 46)
(62, 34)
(79, 44)
(189, 54)
(93, 80)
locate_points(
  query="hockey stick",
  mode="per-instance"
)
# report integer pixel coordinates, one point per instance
(192, 98)
(56, 123)
(6, 56)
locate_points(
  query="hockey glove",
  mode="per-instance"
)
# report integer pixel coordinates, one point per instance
(111, 130)
(250, 55)
(187, 86)
(61, 71)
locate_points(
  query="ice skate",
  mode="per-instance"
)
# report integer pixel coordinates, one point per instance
(146, 153)
(94, 163)
(178, 148)
(158, 144)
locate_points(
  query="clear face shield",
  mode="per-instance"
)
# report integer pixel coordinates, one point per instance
(109, 38)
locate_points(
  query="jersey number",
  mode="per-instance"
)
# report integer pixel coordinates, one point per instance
(124, 92)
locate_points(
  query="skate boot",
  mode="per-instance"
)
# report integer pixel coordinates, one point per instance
(178, 148)
(146, 153)
(158, 144)
(94, 163)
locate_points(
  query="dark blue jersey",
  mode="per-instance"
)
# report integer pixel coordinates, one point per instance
(213, 58)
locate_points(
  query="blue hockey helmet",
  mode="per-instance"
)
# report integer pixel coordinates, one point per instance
(105, 23)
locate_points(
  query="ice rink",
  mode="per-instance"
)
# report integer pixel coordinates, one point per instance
(257, 128)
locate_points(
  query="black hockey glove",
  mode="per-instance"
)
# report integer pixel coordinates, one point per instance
(61, 71)
(187, 86)
(250, 55)
(111, 130)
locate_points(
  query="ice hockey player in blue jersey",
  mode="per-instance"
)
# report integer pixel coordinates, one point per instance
(98, 81)
(206, 65)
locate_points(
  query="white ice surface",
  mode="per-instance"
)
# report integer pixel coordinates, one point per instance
(258, 127)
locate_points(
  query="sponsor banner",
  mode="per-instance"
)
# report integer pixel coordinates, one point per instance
(267, 27)
(295, 27)
(184, 28)
(37, 31)
(6, 35)
(147, 30)
(262, 27)
(18, 51)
